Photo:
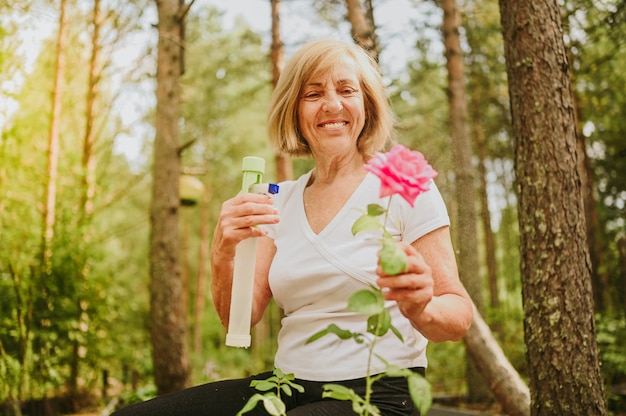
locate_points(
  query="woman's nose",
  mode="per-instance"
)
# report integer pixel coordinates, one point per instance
(332, 103)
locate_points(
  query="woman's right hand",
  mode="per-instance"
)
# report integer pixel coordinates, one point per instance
(238, 220)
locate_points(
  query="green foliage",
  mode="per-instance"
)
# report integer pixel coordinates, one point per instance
(360, 405)
(140, 395)
(611, 336)
(95, 300)
(392, 258)
(366, 302)
(281, 383)
(596, 33)
(371, 302)
(66, 326)
(446, 368)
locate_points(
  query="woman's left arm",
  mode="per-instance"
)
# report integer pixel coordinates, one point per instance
(430, 294)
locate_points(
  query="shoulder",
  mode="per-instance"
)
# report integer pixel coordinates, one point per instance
(290, 189)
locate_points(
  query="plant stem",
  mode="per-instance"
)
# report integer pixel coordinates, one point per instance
(387, 214)
(369, 380)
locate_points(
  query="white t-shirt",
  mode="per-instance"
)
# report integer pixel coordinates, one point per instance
(313, 275)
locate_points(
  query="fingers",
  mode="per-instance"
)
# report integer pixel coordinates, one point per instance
(416, 285)
(248, 210)
(240, 217)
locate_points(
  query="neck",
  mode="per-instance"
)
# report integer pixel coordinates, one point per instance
(328, 171)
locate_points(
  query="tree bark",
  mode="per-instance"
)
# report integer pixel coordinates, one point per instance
(559, 327)
(167, 311)
(362, 30)
(599, 279)
(490, 244)
(89, 139)
(88, 184)
(465, 188)
(53, 144)
(284, 168)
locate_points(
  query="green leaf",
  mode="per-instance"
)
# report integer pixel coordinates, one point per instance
(250, 404)
(366, 223)
(420, 392)
(331, 329)
(379, 324)
(286, 389)
(392, 258)
(397, 333)
(375, 210)
(274, 406)
(294, 386)
(366, 302)
(359, 405)
(393, 370)
(339, 392)
(263, 385)
(279, 373)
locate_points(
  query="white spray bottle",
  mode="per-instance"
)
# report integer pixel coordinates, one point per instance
(238, 334)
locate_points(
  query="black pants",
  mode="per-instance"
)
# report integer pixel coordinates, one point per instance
(226, 398)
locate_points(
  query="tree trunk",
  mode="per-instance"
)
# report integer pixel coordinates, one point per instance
(467, 241)
(490, 244)
(53, 144)
(504, 381)
(167, 312)
(559, 328)
(362, 30)
(89, 139)
(88, 186)
(284, 168)
(599, 279)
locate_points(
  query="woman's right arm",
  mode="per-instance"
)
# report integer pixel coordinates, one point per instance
(237, 221)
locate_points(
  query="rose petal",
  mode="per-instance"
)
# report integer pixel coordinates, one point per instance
(402, 172)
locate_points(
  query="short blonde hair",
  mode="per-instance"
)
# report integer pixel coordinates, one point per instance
(311, 60)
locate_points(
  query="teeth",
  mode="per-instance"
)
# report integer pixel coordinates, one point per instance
(334, 125)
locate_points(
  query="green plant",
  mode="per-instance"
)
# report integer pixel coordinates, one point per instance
(368, 302)
(371, 302)
(272, 388)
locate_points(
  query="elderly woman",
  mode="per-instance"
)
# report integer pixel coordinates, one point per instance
(330, 104)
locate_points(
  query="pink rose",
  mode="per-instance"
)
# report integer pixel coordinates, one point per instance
(402, 171)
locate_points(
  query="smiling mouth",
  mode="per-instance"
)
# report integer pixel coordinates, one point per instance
(333, 125)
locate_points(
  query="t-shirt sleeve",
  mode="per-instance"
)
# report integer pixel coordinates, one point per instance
(428, 214)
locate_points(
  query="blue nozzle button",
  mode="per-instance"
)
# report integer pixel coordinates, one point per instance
(272, 188)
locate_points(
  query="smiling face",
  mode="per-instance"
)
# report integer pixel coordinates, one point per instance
(331, 110)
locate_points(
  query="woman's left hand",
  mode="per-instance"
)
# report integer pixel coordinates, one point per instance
(430, 293)
(412, 290)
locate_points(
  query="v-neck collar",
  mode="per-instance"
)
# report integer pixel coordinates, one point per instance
(350, 204)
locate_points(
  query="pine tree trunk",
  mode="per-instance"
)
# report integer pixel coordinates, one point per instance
(490, 244)
(362, 29)
(559, 327)
(599, 279)
(467, 241)
(167, 312)
(88, 185)
(284, 168)
(53, 144)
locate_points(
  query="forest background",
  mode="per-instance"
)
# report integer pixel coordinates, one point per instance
(74, 311)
